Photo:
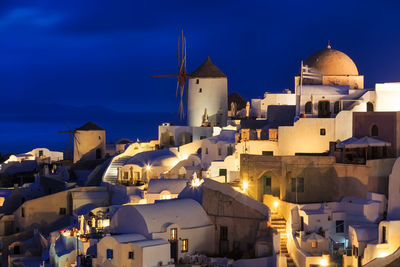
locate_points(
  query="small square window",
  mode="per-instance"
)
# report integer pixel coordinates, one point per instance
(131, 255)
(322, 131)
(314, 244)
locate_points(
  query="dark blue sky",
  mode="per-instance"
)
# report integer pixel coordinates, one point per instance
(101, 52)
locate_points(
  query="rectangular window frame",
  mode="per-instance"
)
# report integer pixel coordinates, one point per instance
(109, 254)
(173, 233)
(131, 255)
(185, 245)
(339, 226)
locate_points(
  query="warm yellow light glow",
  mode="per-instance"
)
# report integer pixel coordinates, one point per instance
(196, 182)
(106, 222)
(184, 157)
(382, 254)
(245, 185)
(323, 262)
(148, 167)
(276, 204)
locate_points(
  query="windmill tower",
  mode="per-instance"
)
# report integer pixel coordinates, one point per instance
(207, 92)
(89, 142)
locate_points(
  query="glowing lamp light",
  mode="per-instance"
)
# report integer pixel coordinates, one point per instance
(382, 254)
(276, 204)
(196, 182)
(106, 222)
(323, 262)
(245, 185)
(148, 167)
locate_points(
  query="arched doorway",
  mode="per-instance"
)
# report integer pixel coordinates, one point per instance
(324, 109)
(308, 108)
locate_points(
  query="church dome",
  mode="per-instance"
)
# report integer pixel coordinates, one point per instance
(331, 62)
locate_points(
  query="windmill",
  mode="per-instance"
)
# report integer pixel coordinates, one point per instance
(74, 137)
(182, 75)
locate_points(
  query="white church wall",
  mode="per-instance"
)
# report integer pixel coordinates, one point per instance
(382, 249)
(260, 106)
(387, 96)
(306, 136)
(200, 239)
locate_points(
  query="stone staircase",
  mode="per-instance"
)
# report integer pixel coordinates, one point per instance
(111, 174)
(279, 224)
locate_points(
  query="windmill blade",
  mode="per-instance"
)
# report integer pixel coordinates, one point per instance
(76, 139)
(165, 76)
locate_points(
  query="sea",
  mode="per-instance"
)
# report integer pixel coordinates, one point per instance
(20, 134)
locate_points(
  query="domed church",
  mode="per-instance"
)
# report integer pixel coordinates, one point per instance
(335, 68)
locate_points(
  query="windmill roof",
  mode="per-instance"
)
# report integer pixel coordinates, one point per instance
(90, 126)
(207, 70)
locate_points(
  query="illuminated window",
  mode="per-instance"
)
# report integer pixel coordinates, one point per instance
(110, 254)
(165, 197)
(314, 244)
(174, 233)
(131, 255)
(185, 244)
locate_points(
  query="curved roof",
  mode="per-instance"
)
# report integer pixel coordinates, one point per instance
(207, 70)
(331, 62)
(154, 158)
(174, 186)
(153, 218)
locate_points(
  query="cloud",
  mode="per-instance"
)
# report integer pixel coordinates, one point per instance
(28, 17)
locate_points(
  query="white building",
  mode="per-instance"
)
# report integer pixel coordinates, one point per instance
(89, 142)
(207, 96)
(132, 250)
(183, 222)
(161, 189)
